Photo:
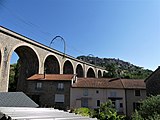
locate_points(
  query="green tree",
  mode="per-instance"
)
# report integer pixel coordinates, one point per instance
(13, 76)
(107, 111)
(112, 71)
(149, 109)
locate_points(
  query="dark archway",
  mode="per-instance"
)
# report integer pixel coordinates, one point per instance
(99, 74)
(79, 71)
(90, 73)
(68, 68)
(27, 65)
(51, 65)
(104, 74)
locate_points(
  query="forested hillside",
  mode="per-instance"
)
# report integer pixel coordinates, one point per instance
(118, 68)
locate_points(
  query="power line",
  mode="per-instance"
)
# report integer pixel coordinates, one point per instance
(24, 21)
(30, 24)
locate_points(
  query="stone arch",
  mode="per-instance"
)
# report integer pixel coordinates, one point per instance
(68, 68)
(28, 64)
(51, 65)
(99, 74)
(79, 71)
(90, 73)
(104, 73)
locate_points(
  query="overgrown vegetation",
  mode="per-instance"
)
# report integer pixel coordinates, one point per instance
(105, 112)
(13, 77)
(149, 109)
(117, 68)
(84, 112)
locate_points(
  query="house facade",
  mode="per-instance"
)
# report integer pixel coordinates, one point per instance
(51, 90)
(135, 92)
(124, 94)
(64, 91)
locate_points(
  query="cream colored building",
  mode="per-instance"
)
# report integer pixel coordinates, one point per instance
(91, 92)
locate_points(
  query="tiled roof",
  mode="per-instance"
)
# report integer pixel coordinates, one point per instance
(51, 77)
(152, 74)
(109, 83)
(129, 84)
(15, 99)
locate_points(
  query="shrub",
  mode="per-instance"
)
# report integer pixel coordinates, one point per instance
(84, 112)
(149, 109)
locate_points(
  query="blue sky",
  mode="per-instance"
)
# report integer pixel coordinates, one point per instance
(124, 29)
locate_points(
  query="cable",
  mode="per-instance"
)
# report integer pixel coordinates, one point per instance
(30, 24)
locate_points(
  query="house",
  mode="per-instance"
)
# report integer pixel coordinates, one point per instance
(51, 90)
(66, 91)
(125, 94)
(153, 83)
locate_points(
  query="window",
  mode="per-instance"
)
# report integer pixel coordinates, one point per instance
(113, 94)
(60, 86)
(121, 105)
(97, 91)
(59, 98)
(84, 102)
(38, 85)
(85, 92)
(98, 103)
(137, 93)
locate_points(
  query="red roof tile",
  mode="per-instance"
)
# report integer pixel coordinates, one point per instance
(109, 83)
(51, 77)
(129, 84)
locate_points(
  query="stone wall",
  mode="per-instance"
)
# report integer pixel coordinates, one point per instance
(153, 83)
(48, 91)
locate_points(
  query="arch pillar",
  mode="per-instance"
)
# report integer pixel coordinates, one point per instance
(85, 70)
(41, 68)
(96, 72)
(5, 67)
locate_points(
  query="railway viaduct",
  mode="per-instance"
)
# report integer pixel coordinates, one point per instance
(34, 57)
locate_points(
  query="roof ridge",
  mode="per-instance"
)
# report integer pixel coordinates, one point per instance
(152, 74)
(114, 79)
(122, 83)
